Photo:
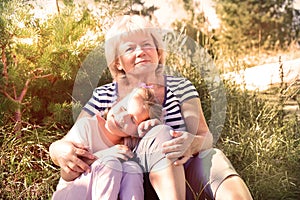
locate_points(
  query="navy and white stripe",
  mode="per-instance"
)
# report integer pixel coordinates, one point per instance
(178, 90)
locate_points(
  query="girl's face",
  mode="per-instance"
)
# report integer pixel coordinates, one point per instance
(138, 54)
(125, 116)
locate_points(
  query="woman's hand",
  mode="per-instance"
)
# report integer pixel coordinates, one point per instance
(68, 156)
(180, 147)
(118, 151)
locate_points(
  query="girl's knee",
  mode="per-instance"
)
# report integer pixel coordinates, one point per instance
(131, 167)
(159, 134)
(110, 163)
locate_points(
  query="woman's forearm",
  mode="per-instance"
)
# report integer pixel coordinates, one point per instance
(53, 152)
(202, 142)
(71, 176)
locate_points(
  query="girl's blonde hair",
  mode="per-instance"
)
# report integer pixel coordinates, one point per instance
(150, 102)
(124, 27)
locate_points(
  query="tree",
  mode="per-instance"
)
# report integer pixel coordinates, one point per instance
(138, 7)
(252, 23)
(41, 55)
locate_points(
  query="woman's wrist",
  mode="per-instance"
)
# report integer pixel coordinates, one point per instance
(201, 142)
(52, 152)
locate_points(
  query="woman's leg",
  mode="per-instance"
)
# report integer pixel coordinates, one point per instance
(168, 180)
(212, 173)
(132, 182)
(233, 187)
(103, 182)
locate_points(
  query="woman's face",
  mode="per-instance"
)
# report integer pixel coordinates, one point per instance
(125, 116)
(138, 54)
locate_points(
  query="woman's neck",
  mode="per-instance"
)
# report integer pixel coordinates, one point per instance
(136, 80)
(126, 85)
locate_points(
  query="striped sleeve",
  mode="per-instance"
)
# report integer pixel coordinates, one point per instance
(102, 98)
(182, 88)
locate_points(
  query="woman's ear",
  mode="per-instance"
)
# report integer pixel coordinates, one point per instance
(118, 66)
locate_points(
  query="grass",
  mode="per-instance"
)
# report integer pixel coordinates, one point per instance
(263, 143)
(259, 137)
(263, 149)
(26, 169)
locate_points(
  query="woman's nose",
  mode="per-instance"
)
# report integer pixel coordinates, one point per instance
(139, 51)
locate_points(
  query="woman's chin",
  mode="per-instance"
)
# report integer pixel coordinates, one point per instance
(142, 68)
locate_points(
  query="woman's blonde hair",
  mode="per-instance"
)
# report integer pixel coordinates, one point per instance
(124, 27)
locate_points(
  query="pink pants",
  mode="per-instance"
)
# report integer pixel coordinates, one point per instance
(109, 179)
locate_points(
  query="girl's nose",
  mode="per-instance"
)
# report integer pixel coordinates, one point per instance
(121, 117)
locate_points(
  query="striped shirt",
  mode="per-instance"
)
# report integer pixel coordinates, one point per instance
(177, 91)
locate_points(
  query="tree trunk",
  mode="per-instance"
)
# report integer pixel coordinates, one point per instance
(18, 118)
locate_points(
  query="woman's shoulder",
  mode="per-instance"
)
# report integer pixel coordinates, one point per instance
(175, 81)
(109, 87)
(170, 78)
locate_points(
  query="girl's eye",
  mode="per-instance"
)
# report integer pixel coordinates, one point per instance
(133, 119)
(122, 108)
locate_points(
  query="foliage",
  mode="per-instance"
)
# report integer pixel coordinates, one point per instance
(262, 143)
(43, 55)
(255, 23)
(138, 7)
(26, 169)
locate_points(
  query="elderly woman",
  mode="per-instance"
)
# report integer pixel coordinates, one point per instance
(134, 52)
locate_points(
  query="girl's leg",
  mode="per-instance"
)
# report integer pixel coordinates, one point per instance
(132, 182)
(168, 180)
(103, 182)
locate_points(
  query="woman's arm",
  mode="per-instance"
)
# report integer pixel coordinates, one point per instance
(68, 155)
(196, 125)
(196, 139)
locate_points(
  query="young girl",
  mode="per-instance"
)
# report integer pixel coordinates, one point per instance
(114, 174)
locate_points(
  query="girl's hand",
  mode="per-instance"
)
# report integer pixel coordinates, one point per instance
(118, 151)
(179, 147)
(68, 156)
(145, 126)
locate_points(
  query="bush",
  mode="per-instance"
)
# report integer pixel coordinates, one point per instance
(26, 169)
(262, 145)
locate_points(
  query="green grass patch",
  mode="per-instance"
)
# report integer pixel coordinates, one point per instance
(26, 169)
